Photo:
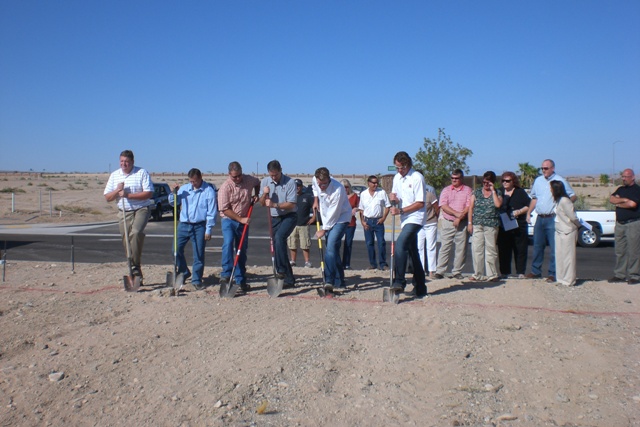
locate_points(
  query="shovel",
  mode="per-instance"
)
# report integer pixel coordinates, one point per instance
(387, 294)
(322, 291)
(175, 279)
(274, 284)
(228, 290)
(131, 283)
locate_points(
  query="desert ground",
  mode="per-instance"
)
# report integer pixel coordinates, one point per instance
(75, 349)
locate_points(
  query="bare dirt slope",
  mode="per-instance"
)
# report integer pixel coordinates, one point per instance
(520, 353)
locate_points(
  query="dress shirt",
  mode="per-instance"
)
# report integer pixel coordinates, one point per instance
(456, 198)
(333, 202)
(237, 196)
(541, 190)
(197, 205)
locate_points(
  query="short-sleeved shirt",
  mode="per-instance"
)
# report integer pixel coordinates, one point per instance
(631, 192)
(541, 190)
(456, 198)
(137, 181)
(283, 191)
(304, 204)
(410, 189)
(485, 211)
(373, 206)
(237, 196)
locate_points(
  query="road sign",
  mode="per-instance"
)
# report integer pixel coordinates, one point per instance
(391, 168)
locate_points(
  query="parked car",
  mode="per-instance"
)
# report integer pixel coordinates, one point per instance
(603, 224)
(358, 189)
(160, 199)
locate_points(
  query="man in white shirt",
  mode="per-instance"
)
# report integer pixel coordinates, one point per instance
(131, 186)
(408, 192)
(374, 208)
(335, 211)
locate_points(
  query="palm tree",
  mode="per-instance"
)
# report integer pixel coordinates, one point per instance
(528, 174)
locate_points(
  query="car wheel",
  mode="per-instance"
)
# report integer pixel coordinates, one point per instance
(589, 238)
(157, 213)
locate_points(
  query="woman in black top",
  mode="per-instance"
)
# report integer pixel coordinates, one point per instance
(513, 243)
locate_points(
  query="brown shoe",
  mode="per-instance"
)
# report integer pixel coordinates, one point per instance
(633, 281)
(532, 276)
(551, 279)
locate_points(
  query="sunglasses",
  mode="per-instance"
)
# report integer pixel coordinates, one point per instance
(506, 180)
(455, 178)
(545, 169)
(373, 182)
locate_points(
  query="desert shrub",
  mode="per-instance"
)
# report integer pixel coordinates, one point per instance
(12, 190)
(75, 209)
(581, 203)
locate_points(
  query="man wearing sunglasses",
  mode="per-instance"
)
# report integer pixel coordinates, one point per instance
(455, 200)
(374, 207)
(544, 229)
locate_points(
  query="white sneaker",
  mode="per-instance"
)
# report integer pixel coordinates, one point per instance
(308, 264)
(293, 263)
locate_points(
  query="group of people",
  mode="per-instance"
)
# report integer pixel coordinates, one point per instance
(496, 219)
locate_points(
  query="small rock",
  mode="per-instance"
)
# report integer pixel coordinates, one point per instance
(56, 376)
(218, 404)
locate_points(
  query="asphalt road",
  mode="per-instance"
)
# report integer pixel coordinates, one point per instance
(98, 243)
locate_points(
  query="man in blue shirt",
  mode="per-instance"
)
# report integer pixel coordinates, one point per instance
(544, 229)
(198, 211)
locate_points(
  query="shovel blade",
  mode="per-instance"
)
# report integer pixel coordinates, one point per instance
(274, 286)
(386, 295)
(224, 290)
(131, 283)
(232, 291)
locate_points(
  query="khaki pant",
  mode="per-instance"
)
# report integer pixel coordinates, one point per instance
(566, 257)
(450, 236)
(136, 222)
(627, 251)
(485, 252)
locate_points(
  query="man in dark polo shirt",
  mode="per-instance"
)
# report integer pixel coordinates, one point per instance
(627, 201)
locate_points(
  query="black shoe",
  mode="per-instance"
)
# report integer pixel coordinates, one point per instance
(224, 280)
(438, 276)
(245, 288)
(397, 287)
(633, 281)
(385, 268)
(198, 286)
(616, 279)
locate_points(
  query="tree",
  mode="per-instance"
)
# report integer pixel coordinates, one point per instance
(528, 173)
(439, 158)
(604, 179)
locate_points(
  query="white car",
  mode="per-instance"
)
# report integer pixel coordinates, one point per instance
(603, 224)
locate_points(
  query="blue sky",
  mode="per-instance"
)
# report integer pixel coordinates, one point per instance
(341, 84)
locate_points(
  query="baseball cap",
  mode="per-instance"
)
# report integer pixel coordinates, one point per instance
(298, 182)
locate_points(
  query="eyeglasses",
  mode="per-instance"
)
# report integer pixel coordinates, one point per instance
(455, 178)
(373, 182)
(545, 168)
(400, 168)
(487, 182)
(506, 180)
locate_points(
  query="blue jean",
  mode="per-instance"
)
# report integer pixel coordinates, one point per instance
(231, 234)
(195, 233)
(544, 234)
(282, 226)
(407, 246)
(334, 270)
(348, 245)
(375, 230)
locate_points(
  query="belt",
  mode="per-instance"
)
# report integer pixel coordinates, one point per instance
(551, 215)
(368, 218)
(628, 221)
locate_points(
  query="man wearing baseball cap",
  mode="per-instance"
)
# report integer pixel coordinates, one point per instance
(299, 238)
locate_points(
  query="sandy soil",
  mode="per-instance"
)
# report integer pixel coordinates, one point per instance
(75, 349)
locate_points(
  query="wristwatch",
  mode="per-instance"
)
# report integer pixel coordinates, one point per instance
(401, 211)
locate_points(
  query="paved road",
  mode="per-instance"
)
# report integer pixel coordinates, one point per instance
(101, 243)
